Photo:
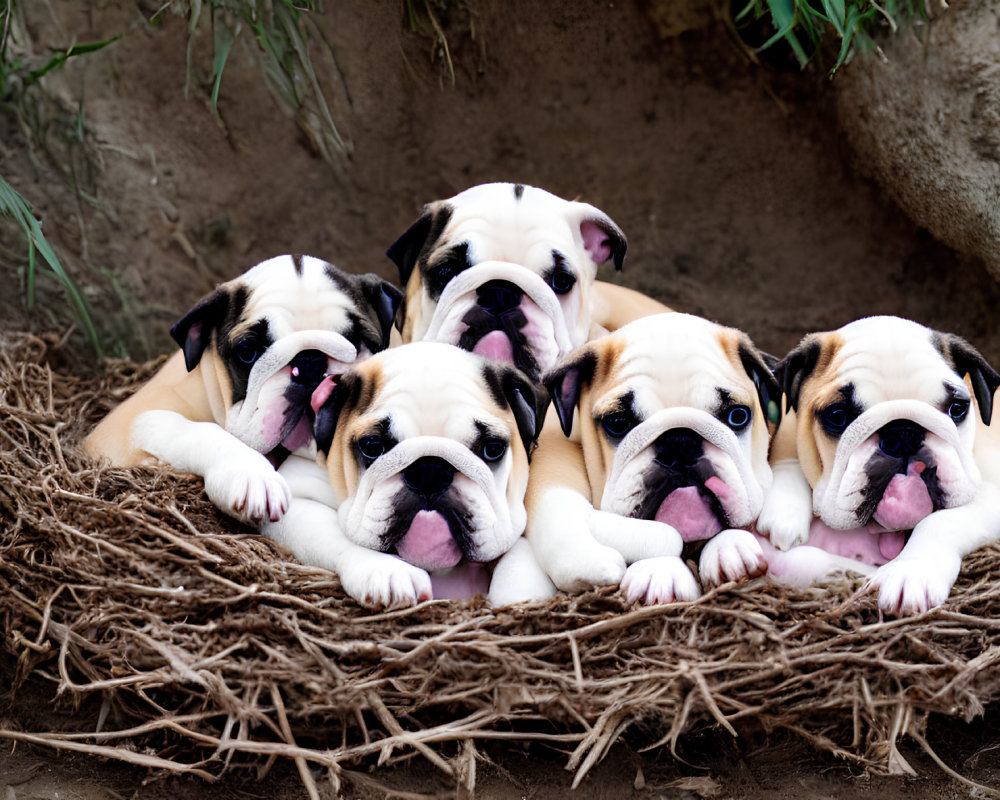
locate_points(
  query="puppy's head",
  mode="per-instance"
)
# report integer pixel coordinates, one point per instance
(505, 270)
(885, 422)
(675, 415)
(427, 448)
(266, 339)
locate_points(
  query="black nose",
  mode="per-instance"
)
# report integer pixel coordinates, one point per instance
(428, 476)
(901, 439)
(678, 448)
(498, 296)
(308, 368)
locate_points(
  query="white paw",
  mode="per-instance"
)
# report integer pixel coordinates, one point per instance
(249, 490)
(659, 580)
(380, 580)
(587, 567)
(730, 556)
(914, 585)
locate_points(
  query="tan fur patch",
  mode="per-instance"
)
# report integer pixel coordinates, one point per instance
(818, 390)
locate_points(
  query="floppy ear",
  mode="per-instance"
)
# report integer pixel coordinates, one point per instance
(759, 366)
(418, 239)
(566, 381)
(193, 332)
(528, 402)
(329, 403)
(384, 299)
(966, 360)
(602, 238)
(794, 368)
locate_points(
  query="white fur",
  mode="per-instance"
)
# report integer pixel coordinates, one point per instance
(730, 556)
(659, 580)
(238, 480)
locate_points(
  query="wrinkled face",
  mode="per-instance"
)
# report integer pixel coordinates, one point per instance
(505, 270)
(426, 447)
(265, 340)
(673, 421)
(885, 422)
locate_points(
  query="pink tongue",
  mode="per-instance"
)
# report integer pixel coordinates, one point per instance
(890, 544)
(300, 436)
(495, 345)
(428, 543)
(466, 580)
(690, 513)
(905, 501)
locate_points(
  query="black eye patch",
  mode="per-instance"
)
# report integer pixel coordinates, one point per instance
(438, 274)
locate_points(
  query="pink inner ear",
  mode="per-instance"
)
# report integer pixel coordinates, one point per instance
(596, 241)
(194, 333)
(322, 392)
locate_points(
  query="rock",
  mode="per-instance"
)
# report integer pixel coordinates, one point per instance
(925, 123)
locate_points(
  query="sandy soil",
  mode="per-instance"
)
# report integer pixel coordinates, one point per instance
(731, 180)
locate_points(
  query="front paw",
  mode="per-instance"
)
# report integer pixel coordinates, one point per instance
(659, 580)
(785, 529)
(731, 556)
(909, 586)
(587, 567)
(380, 580)
(249, 490)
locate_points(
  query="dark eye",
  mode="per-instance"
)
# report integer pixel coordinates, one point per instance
(371, 447)
(493, 449)
(738, 417)
(618, 423)
(248, 350)
(958, 409)
(562, 282)
(834, 418)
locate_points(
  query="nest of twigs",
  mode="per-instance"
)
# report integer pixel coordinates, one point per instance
(195, 646)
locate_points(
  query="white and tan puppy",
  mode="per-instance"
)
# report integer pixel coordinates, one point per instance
(422, 472)
(238, 391)
(669, 446)
(884, 437)
(508, 271)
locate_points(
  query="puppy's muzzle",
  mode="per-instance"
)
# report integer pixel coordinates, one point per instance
(678, 450)
(901, 439)
(309, 368)
(895, 464)
(429, 478)
(499, 297)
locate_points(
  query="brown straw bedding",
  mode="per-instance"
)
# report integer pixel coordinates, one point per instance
(167, 636)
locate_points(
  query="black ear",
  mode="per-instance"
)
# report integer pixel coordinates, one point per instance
(418, 239)
(528, 403)
(759, 366)
(345, 392)
(966, 360)
(384, 299)
(604, 239)
(794, 368)
(566, 382)
(194, 330)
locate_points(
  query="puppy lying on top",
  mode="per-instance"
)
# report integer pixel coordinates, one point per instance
(667, 422)
(508, 271)
(885, 463)
(237, 392)
(420, 484)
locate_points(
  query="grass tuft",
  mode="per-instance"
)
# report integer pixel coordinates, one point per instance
(807, 26)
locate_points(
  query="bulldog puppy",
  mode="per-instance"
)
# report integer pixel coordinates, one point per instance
(884, 462)
(669, 448)
(508, 271)
(422, 470)
(238, 391)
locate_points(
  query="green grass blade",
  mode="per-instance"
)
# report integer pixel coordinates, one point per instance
(13, 205)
